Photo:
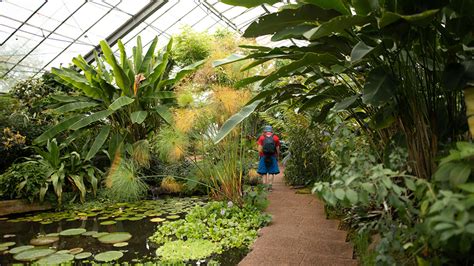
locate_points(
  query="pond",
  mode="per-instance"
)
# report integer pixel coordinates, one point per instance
(85, 233)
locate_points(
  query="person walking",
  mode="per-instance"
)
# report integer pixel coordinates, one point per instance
(268, 150)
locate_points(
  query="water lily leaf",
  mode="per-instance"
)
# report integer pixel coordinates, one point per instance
(7, 244)
(75, 251)
(45, 240)
(63, 251)
(108, 256)
(33, 254)
(89, 233)
(121, 244)
(72, 232)
(83, 255)
(100, 234)
(158, 219)
(3, 248)
(113, 238)
(56, 259)
(20, 249)
(136, 218)
(172, 217)
(108, 222)
(9, 235)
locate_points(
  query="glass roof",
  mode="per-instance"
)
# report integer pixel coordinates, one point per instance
(37, 35)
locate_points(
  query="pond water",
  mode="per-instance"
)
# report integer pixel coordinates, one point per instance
(138, 219)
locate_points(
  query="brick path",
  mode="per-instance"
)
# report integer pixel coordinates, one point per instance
(299, 234)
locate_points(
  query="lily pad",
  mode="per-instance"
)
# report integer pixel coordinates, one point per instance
(3, 248)
(56, 259)
(83, 255)
(157, 220)
(99, 234)
(113, 238)
(63, 251)
(7, 244)
(44, 240)
(46, 222)
(121, 244)
(172, 217)
(73, 232)
(20, 249)
(33, 254)
(52, 234)
(89, 233)
(75, 251)
(121, 218)
(9, 236)
(108, 223)
(108, 256)
(3, 219)
(136, 218)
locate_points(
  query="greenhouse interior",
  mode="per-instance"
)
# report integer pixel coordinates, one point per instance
(236, 132)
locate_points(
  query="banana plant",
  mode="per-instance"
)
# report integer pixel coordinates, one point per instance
(119, 97)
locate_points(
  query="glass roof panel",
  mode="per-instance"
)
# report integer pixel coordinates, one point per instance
(37, 35)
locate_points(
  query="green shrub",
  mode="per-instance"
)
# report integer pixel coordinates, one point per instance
(24, 181)
(191, 46)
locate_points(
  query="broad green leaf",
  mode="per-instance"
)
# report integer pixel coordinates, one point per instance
(148, 56)
(364, 7)
(410, 184)
(87, 120)
(53, 131)
(379, 87)
(308, 60)
(230, 59)
(75, 106)
(360, 50)
(98, 142)
(249, 3)
(137, 55)
(181, 74)
(74, 79)
(92, 180)
(419, 19)
(296, 32)
(459, 174)
(352, 196)
(79, 183)
(469, 187)
(275, 22)
(339, 193)
(234, 120)
(164, 113)
(69, 98)
(121, 78)
(121, 102)
(336, 25)
(443, 171)
(345, 103)
(337, 5)
(138, 117)
(43, 190)
(243, 82)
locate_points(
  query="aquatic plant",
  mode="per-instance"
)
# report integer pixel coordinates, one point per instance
(184, 250)
(225, 225)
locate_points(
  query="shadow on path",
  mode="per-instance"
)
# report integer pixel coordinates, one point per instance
(299, 234)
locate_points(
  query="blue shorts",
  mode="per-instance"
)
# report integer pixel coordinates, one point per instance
(269, 167)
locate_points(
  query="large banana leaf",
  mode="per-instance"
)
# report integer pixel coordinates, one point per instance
(121, 77)
(75, 106)
(234, 120)
(98, 142)
(338, 5)
(336, 25)
(269, 24)
(121, 102)
(71, 77)
(89, 119)
(53, 131)
(145, 64)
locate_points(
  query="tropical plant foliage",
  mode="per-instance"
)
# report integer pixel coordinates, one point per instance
(123, 99)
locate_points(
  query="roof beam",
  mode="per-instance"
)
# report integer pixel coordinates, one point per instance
(128, 26)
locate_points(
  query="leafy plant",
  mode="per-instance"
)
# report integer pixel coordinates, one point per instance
(256, 196)
(224, 224)
(125, 98)
(23, 181)
(191, 46)
(123, 183)
(194, 249)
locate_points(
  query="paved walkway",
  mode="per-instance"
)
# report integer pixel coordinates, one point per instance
(299, 234)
